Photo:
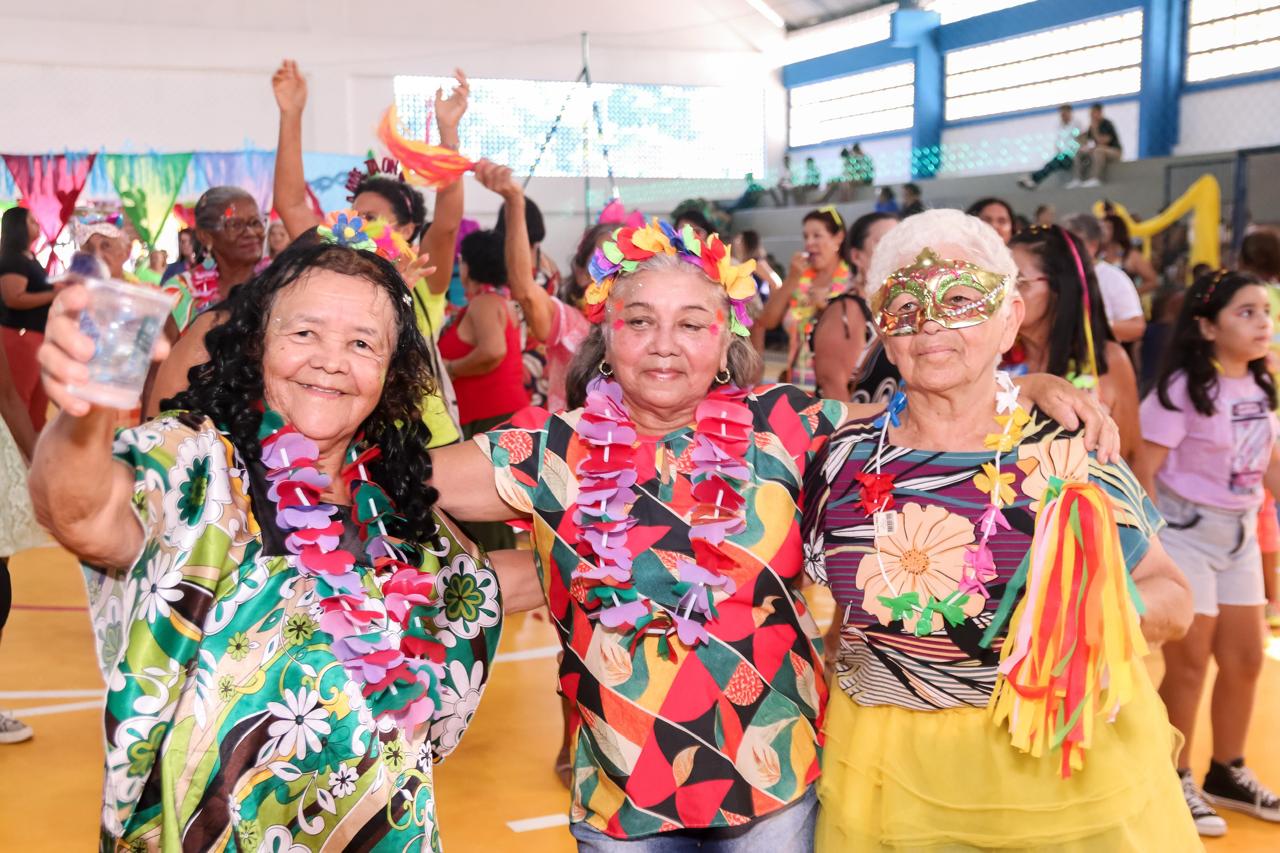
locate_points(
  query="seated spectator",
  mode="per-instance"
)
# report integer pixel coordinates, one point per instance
(911, 201)
(997, 213)
(812, 180)
(886, 201)
(1046, 215)
(1101, 146)
(750, 196)
(782, 191)
(1064, 152)
(841, 189)
(1119, 296)
(863, 167)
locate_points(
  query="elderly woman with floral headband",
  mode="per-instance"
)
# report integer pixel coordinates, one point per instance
(988, 574)
(290, 633)
(666, 525)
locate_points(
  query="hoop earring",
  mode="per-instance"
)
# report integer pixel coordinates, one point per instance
(726, 379)
(606, 369)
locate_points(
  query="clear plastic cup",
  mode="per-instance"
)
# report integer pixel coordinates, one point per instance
(124, 321)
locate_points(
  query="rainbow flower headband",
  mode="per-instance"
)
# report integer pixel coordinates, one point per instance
(347, 228)
(629, 247)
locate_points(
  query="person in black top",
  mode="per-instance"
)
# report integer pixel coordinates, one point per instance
(911, 201)
(1101, 146)
(25, 294)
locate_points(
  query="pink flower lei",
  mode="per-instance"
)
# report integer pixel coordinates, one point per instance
(722, 435)
(383, 643)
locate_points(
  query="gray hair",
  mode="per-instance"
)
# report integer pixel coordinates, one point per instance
(742, 359)
(1086, 227)
(213, 204)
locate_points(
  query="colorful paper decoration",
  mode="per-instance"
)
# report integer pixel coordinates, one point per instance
(49, 186)
(426, 164)
(147, 187)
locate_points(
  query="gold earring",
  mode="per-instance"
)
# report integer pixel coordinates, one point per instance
(726, 378)
(605, 368)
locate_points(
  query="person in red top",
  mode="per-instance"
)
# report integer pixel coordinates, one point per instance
(481, 351)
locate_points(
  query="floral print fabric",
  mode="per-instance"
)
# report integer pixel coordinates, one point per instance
(725, 731)
(886, 656)
(230, 724)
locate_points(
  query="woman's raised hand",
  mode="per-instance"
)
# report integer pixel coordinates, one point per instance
(66, 351)
(450, 110)
(290, 87)
(498, 179)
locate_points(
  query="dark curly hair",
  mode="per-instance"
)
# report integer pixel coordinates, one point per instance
(226, 387)
(404, 200)
(1190, 352)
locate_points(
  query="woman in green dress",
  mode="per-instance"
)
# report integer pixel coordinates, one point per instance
(290, 633)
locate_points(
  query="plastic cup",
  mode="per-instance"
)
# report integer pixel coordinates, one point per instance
(124, 321)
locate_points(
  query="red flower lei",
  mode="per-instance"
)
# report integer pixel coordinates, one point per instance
(383, 642)
(722, 435)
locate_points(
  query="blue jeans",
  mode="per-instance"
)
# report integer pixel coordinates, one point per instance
(789, 830)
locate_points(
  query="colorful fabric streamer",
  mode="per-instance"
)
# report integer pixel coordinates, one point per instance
(1074, 640)
(427, 165)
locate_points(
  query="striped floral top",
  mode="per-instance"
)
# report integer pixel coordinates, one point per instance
(886, 657)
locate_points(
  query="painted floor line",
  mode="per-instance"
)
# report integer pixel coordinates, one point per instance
(531, 824)
(528, 654)
(52, 694)
(45, 710)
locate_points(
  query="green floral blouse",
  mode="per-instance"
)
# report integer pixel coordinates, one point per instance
(230, 724)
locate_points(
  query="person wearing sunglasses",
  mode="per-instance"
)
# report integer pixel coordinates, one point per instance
(988, 688)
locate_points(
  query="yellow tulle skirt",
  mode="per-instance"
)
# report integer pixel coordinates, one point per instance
(900, 780)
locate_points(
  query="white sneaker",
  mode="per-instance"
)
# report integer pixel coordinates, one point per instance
(1208, 822)
(1071, 184)
(1027, 183)
(1092, 182)
(13, 730)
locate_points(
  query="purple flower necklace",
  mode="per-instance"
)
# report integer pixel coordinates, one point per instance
(384, 643)
(607, 476)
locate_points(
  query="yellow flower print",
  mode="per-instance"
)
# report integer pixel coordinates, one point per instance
(987, 480)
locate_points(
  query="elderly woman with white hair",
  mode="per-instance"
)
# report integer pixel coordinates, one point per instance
(667, 529)
(989, 575)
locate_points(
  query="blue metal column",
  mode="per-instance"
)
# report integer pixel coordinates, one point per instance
(1164, 51)
(918, 29)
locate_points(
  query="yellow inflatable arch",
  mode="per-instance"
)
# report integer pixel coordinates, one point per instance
(1203, 199)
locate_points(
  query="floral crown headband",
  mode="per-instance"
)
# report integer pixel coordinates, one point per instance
(629, 247)
(347, 228)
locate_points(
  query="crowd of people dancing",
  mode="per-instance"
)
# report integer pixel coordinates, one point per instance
(300, 549)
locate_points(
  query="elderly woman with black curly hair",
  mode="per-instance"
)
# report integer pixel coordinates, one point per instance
(290, 634)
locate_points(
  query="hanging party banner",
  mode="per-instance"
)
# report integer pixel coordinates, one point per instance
(148, 187)
(49, 186)
(251, 171)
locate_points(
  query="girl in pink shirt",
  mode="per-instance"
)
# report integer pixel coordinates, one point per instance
(1209, 434)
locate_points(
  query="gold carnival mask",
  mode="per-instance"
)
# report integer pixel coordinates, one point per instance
(954, 294)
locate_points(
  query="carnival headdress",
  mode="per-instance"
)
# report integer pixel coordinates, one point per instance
(630, 247)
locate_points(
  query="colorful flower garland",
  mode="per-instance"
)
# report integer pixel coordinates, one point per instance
(722, 436)
(384, 644)
(631, 247)
(802, 310)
